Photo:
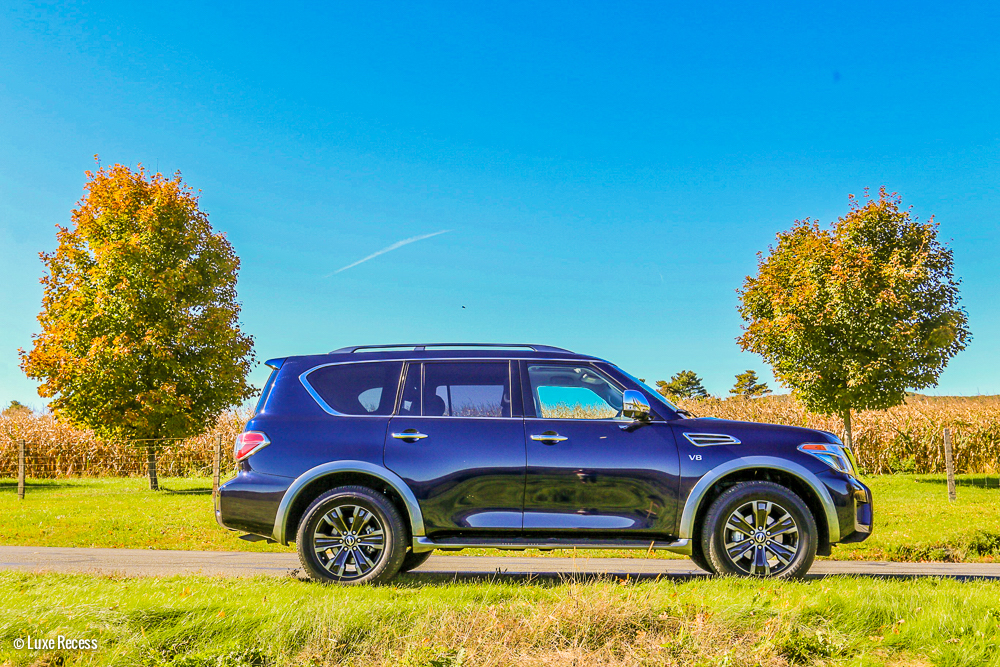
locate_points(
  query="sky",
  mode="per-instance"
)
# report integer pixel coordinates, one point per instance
(595, 176)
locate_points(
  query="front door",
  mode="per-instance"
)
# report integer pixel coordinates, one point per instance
(585, 472)
(456, 444)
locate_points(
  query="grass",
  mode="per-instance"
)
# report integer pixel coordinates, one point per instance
(913, 519)
(199, 621)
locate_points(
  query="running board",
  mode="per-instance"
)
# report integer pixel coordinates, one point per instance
(521, 543)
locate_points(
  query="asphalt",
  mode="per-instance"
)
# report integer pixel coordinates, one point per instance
(162, 563)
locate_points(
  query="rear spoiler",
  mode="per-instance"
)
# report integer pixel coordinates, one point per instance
(274, 363)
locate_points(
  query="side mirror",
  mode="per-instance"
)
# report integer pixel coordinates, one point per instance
(634, 406)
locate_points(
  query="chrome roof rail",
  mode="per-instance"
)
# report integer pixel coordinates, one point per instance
(420, 347)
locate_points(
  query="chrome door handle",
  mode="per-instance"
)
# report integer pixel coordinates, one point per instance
(409, 434)
(549, 438)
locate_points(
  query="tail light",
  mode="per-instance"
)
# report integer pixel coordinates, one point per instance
(249, 442)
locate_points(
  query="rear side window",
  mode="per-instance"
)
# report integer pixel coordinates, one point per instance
(480, 389)
(356, 389)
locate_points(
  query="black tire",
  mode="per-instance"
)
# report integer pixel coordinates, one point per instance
(778, 540)
(371, 554)
(698, 556)
(414, 559)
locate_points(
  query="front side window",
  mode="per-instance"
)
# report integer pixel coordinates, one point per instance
(563, 391)
(466, 389)
(356, 389)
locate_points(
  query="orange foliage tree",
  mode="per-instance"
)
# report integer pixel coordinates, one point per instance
(140, 335)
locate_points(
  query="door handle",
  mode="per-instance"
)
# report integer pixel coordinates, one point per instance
(410, 434)
(549, 438)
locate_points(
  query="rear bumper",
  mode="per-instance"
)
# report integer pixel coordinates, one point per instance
(853, 501)
(249, 502)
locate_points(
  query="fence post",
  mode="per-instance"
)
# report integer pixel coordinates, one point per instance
(154, 484)
(20, 469)
(949, 465)
(216, 466)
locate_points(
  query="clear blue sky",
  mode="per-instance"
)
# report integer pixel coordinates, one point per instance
(607, 171)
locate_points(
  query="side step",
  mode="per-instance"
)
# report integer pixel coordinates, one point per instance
(546, 544)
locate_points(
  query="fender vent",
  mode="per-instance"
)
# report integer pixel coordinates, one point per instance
(707, 439)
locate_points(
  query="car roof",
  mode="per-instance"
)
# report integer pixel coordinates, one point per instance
(441, 351)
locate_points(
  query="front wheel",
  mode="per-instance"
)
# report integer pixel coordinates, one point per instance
(760, 529)
(351, 535)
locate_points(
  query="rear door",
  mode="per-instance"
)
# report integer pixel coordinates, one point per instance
(585, 472)
(459, 447)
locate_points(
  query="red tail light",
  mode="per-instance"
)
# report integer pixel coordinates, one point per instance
(249, 442)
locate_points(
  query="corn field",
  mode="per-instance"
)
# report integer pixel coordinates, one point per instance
(57, 450)
(907, 438)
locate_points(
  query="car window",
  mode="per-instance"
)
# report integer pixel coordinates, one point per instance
(357, 389)
(466, 389)
(563, 391)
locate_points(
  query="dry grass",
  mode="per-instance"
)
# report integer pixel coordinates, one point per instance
(907, 438)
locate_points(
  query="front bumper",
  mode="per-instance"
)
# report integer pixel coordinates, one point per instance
(853, 502)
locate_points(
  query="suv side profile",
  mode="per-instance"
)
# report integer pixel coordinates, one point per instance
(370, 457)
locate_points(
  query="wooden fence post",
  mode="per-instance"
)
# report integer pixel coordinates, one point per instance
(949, 464)
(20, 469)
(216, 466)
(154, 484)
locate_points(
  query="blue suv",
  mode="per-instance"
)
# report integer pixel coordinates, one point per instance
(370, 457)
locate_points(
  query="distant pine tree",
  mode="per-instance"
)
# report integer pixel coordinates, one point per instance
(685, 384)
(749, 386)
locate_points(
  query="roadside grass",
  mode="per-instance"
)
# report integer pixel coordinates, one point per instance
(914, 521)
(200, 621)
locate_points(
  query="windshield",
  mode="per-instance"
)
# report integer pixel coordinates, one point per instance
(652, 392)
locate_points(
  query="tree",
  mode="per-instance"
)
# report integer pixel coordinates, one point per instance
(140, 337)
(850, 317)
(685, 384)
(15, 407)
(749, 386)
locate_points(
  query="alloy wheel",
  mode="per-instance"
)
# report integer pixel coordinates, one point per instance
(761, 538)
(349, 541)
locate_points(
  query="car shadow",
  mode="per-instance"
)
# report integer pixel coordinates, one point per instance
(418, 578)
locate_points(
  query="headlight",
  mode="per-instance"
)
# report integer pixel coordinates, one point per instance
(837, 457)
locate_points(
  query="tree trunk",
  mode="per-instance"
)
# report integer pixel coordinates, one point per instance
(848, 434)
(151, 467)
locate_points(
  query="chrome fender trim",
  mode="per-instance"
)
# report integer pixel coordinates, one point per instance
(691, 505)
(324, 469)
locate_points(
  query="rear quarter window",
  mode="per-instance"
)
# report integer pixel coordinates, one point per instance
(364, 388)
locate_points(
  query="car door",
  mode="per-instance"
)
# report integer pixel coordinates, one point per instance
(589, 470)
(457, 444)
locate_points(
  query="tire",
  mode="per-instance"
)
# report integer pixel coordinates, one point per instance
(414, 559)
(371, 555)
(761, 508)
(698, 556)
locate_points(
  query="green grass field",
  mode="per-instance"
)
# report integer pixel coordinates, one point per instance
(914, 520)
(199, 621)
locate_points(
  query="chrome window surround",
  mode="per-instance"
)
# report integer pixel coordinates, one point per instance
(303, 378)
(711, 439)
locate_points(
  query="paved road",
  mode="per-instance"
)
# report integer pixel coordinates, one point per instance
(141, 562)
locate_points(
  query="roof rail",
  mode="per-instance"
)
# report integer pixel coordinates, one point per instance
(419, 347)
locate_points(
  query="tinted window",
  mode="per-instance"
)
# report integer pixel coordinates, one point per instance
(573, 392)
(479, 389)
(410, 403)
(358, 389)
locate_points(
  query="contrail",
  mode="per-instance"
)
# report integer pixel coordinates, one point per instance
(397, 244)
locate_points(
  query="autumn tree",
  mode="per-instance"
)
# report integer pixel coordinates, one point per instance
(749, 385)
(140, 335)
(685, 384)
(852, 316)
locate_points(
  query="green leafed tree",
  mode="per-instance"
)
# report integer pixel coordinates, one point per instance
(749, 385)
(140, 335)
(685, 384)
(15, 407)
(852, 316)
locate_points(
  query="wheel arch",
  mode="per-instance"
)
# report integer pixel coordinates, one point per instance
(326, 476)
(752, 468)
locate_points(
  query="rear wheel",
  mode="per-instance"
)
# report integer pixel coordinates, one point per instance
(351, 535)
(760, 529)
(414, 559)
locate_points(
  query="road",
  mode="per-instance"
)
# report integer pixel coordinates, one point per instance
(143, 562)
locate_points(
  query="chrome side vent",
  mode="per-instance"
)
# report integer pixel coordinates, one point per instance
(708, 439)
